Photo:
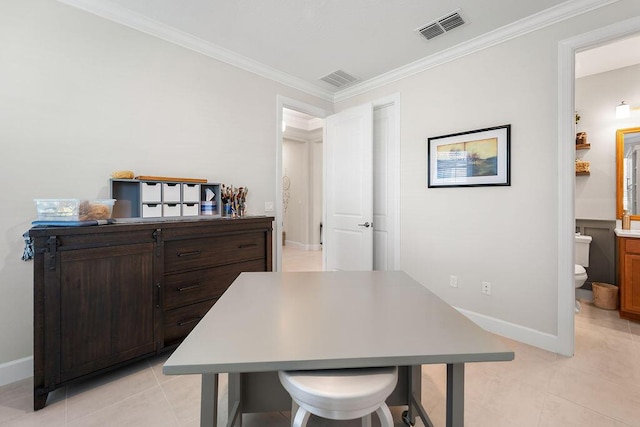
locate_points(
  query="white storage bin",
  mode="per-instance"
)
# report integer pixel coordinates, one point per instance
(170, 192)
(190, 209)
(190, 192)
(152, 210)
(151, 192)
(171, 209)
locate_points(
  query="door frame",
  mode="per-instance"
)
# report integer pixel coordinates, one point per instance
(393, 151)
(394, 163)
(566, 169)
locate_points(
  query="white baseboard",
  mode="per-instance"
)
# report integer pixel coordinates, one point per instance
(515, 332)
(303, 246)
(16, 370)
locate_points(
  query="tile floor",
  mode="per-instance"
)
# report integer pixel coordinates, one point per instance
(599, 386)
(299, 260)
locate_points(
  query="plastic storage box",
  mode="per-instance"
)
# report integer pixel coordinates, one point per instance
(73, 209)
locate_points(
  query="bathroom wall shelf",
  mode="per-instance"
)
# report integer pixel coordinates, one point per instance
(583, 146)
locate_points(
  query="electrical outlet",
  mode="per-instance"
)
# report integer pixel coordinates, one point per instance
(268, 206)
(453, 281)
(486, 288)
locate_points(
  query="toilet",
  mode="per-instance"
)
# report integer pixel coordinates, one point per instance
(582, 244)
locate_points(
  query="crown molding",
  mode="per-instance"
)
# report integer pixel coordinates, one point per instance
(553, 15)
(302, 121)
(113, 12)
(303, 135)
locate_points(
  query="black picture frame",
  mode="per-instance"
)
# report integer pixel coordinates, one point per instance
(476, 158)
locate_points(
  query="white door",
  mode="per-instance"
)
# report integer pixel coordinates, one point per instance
(348, 228)
(385, 203)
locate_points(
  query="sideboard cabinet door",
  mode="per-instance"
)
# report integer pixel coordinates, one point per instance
(106, 307)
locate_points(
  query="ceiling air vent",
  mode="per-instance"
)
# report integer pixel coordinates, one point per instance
(431, 31)
(441, 26)
(339, 78)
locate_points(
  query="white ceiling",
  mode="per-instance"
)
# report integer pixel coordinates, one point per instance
(299, 41)
(300, 120)
(618, 54)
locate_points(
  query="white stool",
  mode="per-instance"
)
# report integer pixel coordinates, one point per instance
(340, 394)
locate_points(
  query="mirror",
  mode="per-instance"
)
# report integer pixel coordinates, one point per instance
(627, 173)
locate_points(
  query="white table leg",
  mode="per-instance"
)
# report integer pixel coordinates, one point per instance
(455, 394)
(209, 401)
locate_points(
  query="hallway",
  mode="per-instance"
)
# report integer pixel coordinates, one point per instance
(294, 259)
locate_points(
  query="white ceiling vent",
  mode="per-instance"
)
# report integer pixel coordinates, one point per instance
(339, 78)
(442, 25)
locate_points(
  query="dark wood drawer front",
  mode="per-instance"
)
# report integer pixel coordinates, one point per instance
(632, 245)
(193, 286)
(180, 321)
(183, 255)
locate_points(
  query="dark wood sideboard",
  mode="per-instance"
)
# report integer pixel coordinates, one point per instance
(105, 296)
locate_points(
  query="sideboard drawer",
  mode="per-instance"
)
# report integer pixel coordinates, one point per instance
(183, 255)
(193, 286)
(180, 321)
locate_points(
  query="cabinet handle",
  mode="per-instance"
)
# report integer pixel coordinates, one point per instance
(248, 245)
(189, 288)
(192, 253)
(157, 295)
(187, 322)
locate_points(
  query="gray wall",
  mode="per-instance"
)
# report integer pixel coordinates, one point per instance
(302, 163)
(81, 96)
(602, 251)
(596, 98)
(505, 235)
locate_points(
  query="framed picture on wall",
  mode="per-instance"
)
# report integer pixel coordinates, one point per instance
(470, 159)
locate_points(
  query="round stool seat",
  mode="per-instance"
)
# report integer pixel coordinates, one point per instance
(340, 394)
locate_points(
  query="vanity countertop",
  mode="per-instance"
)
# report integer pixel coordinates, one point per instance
(627, 233)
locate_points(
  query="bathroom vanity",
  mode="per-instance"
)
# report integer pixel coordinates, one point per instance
(629, 272)
(628, 241)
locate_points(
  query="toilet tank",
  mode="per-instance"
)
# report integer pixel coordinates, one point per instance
(582, 249)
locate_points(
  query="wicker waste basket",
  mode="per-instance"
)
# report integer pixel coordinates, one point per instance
(605, 295)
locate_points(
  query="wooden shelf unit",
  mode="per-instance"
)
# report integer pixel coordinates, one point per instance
(141, 198)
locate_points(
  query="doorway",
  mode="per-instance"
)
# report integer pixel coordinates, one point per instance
(386, 179)
(605, 75)
(303, 109)
(566, 170)
(302, 162)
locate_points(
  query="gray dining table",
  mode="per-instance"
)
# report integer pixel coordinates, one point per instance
(270, 321)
